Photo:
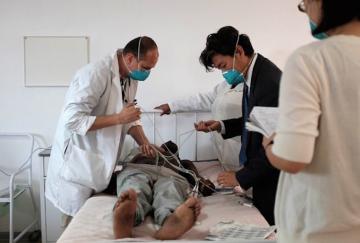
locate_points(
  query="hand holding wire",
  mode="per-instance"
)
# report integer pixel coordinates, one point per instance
(129, 113)
(207, 126)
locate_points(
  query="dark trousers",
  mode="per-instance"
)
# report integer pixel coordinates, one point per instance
(264, 194)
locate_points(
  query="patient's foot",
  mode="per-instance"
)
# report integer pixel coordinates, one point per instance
(177, 223)
(124, 214)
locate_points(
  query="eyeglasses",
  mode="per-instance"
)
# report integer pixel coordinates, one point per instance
(301, 6)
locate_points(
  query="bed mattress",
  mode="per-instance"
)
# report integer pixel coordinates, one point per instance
(93, 222)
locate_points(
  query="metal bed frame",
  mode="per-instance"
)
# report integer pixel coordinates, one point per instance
(153, 113)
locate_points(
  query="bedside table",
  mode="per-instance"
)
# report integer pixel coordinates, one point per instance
(52, 222)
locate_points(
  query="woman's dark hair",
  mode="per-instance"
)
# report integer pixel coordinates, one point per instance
(146, 45)
(336, 13)
(223, 42)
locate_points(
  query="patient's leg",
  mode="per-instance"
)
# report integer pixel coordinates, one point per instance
(124, 214)
(176, 214)
(180, 221)
(169, 193)
(136, 179)
(135, 195)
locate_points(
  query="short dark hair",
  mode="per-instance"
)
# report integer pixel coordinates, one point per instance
(223, 42)
(146, 45)
(337, 13)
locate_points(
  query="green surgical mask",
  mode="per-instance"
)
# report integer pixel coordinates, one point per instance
(319, 36)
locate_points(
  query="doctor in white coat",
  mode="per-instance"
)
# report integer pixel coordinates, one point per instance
(99, 110)
(224, 102)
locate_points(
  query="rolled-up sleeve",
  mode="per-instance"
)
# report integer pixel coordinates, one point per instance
(299, 107)
(83, 96)
(77, 121)
(136, 123)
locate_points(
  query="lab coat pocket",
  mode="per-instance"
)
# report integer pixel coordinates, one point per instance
(84, 167)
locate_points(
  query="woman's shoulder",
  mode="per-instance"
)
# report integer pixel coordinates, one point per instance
(307, 51)
(307, 56)
(318, 50)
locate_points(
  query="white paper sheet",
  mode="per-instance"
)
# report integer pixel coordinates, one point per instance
(263, 120)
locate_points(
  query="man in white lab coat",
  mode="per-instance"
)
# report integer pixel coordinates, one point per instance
(99, 110)
(224, 101)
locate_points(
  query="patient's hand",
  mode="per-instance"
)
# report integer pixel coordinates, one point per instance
(227, 178)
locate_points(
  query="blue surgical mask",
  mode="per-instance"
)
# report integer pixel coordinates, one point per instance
(319, 36)
(233, 77)
(137, 74)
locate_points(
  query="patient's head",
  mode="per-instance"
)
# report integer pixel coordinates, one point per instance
(170, 147)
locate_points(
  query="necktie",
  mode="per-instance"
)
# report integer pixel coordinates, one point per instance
(244, 134)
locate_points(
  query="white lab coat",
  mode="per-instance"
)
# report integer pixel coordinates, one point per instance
(82, 161)
(224, 103)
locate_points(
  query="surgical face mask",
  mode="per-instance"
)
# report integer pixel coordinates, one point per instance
(319, 36)
(232, 76)
(137, 74)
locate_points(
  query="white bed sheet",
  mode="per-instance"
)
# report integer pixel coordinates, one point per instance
(93, 223)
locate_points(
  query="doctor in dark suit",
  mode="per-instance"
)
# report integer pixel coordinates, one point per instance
(233, 54)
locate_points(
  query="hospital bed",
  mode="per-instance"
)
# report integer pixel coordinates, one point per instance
(93, 223)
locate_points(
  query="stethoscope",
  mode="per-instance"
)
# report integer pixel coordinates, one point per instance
(125, 84)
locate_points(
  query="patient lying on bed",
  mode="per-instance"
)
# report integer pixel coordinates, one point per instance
(150, 185)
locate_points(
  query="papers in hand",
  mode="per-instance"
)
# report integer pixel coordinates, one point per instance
(263, 120)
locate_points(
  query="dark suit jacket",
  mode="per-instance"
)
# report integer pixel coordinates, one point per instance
(258, 172)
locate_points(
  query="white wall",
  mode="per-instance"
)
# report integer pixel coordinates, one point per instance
(179, 27)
